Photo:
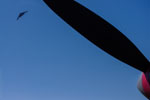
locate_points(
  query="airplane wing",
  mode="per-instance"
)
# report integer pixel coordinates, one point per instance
(99, 32)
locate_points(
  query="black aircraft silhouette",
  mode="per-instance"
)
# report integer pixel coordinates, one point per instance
(21, 14)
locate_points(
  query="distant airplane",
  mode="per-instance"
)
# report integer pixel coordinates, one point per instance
(105, 36)
(21, 14)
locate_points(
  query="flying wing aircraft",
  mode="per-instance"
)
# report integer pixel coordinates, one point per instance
(21, 14)
(105, 36)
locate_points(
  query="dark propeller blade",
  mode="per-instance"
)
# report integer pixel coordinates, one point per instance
(99, 32)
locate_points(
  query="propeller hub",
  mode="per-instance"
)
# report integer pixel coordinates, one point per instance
(144, 84)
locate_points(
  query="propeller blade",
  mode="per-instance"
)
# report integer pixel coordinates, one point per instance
(99, 32)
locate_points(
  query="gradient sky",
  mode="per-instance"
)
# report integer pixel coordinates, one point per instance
(43, 58)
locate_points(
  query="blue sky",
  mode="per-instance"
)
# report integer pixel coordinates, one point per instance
(43, 58)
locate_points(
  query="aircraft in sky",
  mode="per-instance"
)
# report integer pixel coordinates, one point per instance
(104, 36)
(21, 14)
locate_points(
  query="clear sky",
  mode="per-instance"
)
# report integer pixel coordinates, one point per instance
(43, 58)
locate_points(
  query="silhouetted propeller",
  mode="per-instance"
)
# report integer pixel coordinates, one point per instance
(99, 32)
